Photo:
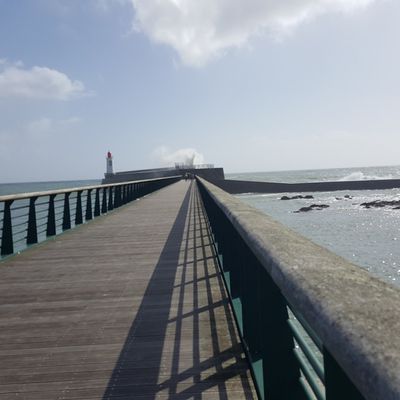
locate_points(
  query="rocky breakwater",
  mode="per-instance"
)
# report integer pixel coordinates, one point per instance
(393, 204)
(307, 208)
(312, 207)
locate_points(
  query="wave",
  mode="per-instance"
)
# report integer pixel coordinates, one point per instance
(360, 176)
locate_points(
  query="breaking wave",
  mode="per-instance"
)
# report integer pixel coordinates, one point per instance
(360, 176)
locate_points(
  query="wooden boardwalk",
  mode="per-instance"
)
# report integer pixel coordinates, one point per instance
(128, 306)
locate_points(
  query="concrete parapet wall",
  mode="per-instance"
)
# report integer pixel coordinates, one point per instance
(356, 315)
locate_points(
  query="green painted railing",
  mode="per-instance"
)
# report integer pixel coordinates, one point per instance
(313, 325)
(28, 218)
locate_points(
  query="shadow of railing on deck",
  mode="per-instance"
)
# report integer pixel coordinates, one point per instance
(144, 369)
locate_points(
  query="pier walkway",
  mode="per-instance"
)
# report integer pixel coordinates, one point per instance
(128, 306)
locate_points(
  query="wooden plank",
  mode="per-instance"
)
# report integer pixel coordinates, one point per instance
(130, 305)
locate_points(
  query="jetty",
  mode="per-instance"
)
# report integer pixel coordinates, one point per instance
(171, 288)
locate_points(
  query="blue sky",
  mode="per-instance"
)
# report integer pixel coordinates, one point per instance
(250, 85)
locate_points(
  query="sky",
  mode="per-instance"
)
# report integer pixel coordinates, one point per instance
(248, 85)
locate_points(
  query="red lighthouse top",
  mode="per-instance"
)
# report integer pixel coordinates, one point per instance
(109, 154)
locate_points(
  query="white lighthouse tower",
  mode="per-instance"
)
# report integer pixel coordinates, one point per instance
(109, 161)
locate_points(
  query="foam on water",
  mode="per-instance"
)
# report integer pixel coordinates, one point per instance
(360, 176)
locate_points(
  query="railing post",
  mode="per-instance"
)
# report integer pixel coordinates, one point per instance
(110, 198)
(251, 310)
(7, 246)
(124, 194)
(120, 195)
(116, 189)
(97, 203)
(337, 384)
(31, 236)
(281, 369)
(117, 199)
(51, 217)
(131, 192)
(104, 201)
(89, 213)
(236, 261)
(66, 213)
(78, 210)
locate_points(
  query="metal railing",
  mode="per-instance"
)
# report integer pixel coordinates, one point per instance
(193, 166)
(29, 218)
(313, 325)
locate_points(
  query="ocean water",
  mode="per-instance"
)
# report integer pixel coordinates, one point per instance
(321, 175)
(369, 238)
(26, 187)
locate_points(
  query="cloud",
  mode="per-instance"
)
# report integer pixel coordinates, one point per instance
(37, 83)
(201, 30)
(187, 156)
(104, 5)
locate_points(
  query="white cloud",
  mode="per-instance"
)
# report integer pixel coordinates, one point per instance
(37, 83)
(200, 30)
(187, 156)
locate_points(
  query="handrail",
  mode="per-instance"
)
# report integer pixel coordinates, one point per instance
(20, 196)
(23, 212)
(269, 269)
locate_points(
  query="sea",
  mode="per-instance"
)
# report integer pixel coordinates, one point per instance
(27, 187)
(369, 238)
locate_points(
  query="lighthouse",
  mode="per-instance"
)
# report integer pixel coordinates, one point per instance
(109, 164)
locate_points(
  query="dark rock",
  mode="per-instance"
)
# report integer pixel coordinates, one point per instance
(312, 207)
(395, 204)
(347, 196)
(308, 196)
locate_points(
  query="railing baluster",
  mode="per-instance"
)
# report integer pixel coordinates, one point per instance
(7, 246)
(31, 237)
(131, 192)
(51, 217)
(134, 191)
(66, 213)
(110, 198)
(120, 196)
(89, 214)
(125, 194)
(281, 369)
(97, 203)
(104, 201)
(78, 211)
